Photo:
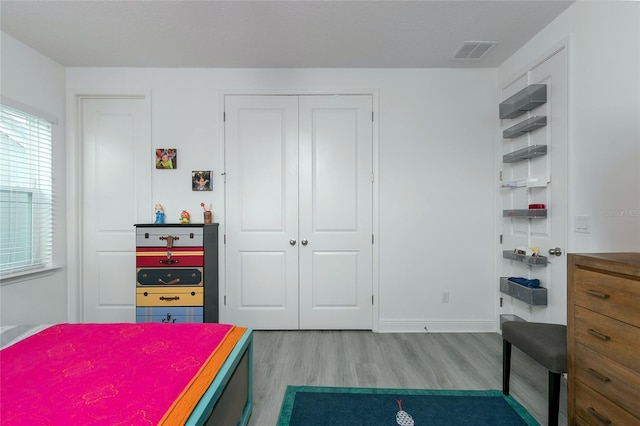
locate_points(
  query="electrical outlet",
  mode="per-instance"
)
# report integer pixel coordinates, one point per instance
(444, 297)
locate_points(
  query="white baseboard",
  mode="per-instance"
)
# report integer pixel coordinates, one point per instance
(437, 326)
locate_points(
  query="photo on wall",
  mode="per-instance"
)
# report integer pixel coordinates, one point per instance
(166, 158)
(201, 181)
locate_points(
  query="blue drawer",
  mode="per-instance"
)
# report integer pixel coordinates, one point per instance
(169, 314)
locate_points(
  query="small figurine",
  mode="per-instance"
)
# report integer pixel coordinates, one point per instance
(184, 217)
(207, 213)
(159, 213)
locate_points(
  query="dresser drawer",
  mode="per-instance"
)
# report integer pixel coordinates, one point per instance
(612, 380)
(169, 276)
(616, 296)
(594, 409)
(169, 236)
(169, 314)
(160, 257)
(611, 338)
(173, 296)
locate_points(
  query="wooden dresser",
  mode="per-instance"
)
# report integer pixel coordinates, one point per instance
(603, 320)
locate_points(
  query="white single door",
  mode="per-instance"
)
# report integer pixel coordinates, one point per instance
(336, 196)
(261, 192)
(550, 189)
(116, 174)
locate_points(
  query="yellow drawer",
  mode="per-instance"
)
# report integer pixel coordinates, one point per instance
(617, 383)
(613, 339)
(594, 409)
(616, 296)
(174, 296)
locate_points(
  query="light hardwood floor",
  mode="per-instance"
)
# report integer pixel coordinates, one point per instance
(385, 360)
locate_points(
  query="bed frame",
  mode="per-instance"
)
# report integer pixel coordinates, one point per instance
(229, 397)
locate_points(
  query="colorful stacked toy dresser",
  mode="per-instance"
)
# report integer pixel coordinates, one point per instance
(177, 273)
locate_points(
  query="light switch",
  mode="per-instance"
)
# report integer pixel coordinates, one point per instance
(582, 224)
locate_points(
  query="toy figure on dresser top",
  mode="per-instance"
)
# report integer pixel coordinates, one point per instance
(159, 213)
(185, 216)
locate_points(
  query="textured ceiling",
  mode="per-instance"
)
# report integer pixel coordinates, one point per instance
(273, 34)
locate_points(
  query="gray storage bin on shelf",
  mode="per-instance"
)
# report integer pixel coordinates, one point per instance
(525, 100)
(525, 154)
(529, 260)
(524, 127)
(530, 296)
(526, 213)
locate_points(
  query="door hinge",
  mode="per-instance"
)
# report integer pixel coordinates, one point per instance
(500, 175)
(224, 177)
(224, 238)
(501, 302)
(372, 116)
(500, 238)
(372, 299)
(225, 300)
(372, 241)
(224, 116)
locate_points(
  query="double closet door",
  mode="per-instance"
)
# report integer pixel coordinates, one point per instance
(298, 195)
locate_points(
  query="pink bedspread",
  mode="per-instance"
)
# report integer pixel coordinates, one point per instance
(108, 374)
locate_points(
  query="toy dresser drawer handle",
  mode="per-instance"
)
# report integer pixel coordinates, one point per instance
(170, 239)
(175, 281)
(170, 298)
(168, 261)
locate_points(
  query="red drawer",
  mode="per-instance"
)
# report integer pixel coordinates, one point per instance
(182, 256)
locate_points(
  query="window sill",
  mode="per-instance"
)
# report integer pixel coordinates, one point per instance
(17, 277)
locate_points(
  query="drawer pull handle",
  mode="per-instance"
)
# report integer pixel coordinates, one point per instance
(598, 294)
(170, 239)
(168, 261)
(176, 281)
(598, 335)
(599, 375)
(170, 298)
(602, 419)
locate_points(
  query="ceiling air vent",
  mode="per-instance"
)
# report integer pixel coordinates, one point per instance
(473, 50)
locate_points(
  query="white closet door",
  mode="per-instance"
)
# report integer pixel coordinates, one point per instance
(116, 170)
(335, 219)
(261, 166)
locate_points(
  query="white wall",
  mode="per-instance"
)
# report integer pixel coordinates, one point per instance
(38, 82)
(436, 139)
(604, 121)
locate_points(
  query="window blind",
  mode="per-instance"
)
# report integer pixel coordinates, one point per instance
(26, 192)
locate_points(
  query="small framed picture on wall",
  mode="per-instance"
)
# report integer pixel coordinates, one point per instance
(201, 180)
(166, 158)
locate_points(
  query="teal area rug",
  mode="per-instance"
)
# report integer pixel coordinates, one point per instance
(311, 406)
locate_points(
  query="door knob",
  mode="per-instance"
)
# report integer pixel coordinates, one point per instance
(304, 242)
(292, 242)
(555, 251)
